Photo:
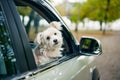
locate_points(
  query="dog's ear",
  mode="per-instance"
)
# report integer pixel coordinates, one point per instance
(56, 25)
(39, 39)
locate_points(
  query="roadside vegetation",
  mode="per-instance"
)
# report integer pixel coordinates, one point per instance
(104, 11)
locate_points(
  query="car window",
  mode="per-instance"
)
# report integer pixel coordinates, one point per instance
(7, 57)
(34, 24)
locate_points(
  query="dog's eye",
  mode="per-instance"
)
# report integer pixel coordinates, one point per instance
(55, 33)
(48, 38)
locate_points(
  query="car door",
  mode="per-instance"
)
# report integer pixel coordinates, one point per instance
(9, 39)
(13, 58)
(23, 29)
(70, 66)
(77, 68)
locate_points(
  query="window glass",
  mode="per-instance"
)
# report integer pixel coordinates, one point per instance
(35, 24)
(32, 21)
(7, 58)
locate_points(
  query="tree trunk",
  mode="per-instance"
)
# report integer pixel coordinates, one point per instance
(106, 16)
(100, 25)
(76, 28)
(104, 30)
(31, 16)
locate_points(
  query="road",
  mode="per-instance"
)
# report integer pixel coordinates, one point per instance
(109, 62)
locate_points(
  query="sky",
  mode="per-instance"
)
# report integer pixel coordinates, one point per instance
(77, 1)
(55, 2)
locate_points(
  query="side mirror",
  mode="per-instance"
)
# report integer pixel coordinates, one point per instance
(90, 46)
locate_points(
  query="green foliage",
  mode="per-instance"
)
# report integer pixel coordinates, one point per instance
(114, 12)
(96, 10)
(24, 10)
(75, 12)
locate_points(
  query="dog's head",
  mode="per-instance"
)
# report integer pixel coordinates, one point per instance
(51, 38)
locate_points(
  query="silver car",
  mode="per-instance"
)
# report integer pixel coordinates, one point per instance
(20, 21)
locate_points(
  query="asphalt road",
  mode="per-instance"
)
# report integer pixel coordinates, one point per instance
(109, 62)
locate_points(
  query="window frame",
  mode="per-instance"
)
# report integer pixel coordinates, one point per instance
(23, 36)
(18, 47)
(19, 37)
(53, 16)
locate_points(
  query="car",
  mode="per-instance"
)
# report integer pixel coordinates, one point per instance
(20, 21)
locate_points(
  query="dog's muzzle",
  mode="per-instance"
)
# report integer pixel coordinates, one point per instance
(55, 41)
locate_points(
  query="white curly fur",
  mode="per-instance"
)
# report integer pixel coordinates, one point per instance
(49, 44)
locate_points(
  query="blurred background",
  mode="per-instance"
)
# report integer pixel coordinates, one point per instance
(98, 18)
(100, 15)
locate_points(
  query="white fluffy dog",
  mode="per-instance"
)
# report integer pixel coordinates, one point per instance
(49, 44)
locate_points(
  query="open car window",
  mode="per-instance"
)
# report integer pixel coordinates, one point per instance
(35, 24)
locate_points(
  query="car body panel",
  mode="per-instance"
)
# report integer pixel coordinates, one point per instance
(77, 68)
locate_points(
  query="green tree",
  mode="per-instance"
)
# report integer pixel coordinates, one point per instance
(75, 14)
(27, 11)
(101, 10)
(24, 11)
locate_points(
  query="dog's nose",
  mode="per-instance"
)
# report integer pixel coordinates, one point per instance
(55, 41)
